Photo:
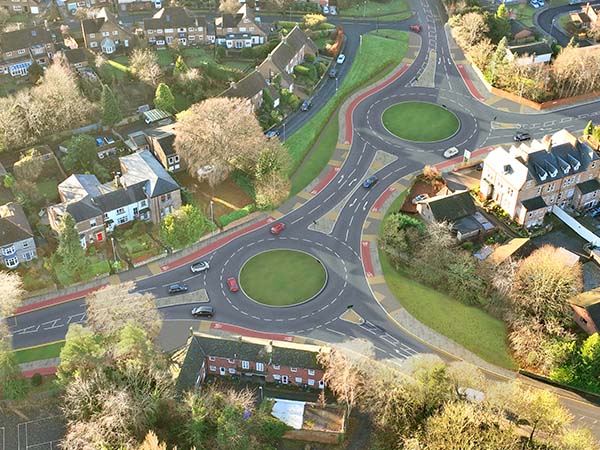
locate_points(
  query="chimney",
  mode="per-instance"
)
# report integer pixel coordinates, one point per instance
(547, 142)
(117, 180)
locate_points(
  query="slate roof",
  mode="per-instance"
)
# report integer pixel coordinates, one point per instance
(25, 38)
(295, 357)
(247, 87)
(533, 204)
(165, 140)
(533, 48)
(589, 186)
(75, 55)
(297, 38)
(170, 17)
(590, 300)
(14, 226)
(451, 207)
(120, 197)
(143, 166)
(95, 25)
(229, 20)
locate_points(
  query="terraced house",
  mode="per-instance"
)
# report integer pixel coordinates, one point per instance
(252, 89)
(236, 31)
(144, 191)
(21, 48)
(21, 6)
(104, 33)
(175, 25)
(254, 359)
(529, 180)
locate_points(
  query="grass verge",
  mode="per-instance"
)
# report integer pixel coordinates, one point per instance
(282, 277)
(373, 8)
(46, 351)
(379, 53)
(420, 121)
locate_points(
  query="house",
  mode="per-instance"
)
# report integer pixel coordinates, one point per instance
(458, 209)
(586, 310)
(139, 5)
(160, 142)
(104, 33)
(16, 238)
(76, 57)
(144, 191)
(137, 141)
(175, 25)
(236, 31)
(254, 359)
(517, 248)
(290, 52)
(588, 17)
(526, 181)
(252, 88)
(21, 6)
(532, 53)
(21, 48)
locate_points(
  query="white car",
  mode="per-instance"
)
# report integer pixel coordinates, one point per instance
(200, 266)
(535, 4)
(341, 58)
(452, 151)
(333, 10)
(325, 9)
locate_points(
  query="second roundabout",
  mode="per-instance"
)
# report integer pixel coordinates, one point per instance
(283, 277)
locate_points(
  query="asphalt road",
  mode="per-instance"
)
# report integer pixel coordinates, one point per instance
(340, 250)
(547, 21)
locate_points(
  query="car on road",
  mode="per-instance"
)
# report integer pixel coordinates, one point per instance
(521, 136)
(272, 133)
(534, 3)
(341, 58)
(232, 284)
(333, 10)
(199, 266)
(420, 198)
(306, 104)
(451, 152)
(415, 28)
(333, 73)
(109, 140)
(278, 228)
(177, 288)
(203, 311)
(541, 3)
(99, 142)
(325, 9)
(370, 182)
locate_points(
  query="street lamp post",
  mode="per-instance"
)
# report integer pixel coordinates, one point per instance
(552, 27)
(212, 214)
(365, 9)
(112, 241)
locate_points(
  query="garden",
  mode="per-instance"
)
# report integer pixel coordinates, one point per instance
(137, 242)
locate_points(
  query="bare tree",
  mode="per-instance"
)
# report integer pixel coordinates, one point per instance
(229, 6)
(578, 439)
(114, 306)
(144, 65)
(221, 132)
(272, 190)
(470, 30)
(11, 293)
(151, 442)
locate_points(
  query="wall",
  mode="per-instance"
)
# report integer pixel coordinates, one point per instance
(576, 226)
(324, 437)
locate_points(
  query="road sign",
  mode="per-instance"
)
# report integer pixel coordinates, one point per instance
(466, 155)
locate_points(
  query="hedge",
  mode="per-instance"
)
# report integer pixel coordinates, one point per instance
(226, 219)
(302, 70)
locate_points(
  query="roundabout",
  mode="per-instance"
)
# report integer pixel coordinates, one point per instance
(282, 277)
(419, 121)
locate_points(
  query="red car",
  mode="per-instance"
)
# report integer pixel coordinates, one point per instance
(415, 28)
(278, 228)
(232, 284)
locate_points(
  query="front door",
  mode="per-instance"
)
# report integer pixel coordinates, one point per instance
(222, 371)
(284, 379)
(99, 237)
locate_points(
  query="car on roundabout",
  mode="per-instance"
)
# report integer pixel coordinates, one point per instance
(415, 28)
(203, 311)
(232, 284)
(278, 228)
(451, 152)
(200, 266)
(177, 288)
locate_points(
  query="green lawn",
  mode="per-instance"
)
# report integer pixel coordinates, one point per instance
(48, 188)
(46, 351)
(420, 121)
(379, 54)
(165, 57)
(524, 12)
(98, 265)
(373, 8)
(282, 277)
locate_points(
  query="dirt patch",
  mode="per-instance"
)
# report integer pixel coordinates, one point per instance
(418, 188)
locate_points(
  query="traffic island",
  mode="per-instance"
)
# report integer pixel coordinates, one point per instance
(283, 277)
(420, 121)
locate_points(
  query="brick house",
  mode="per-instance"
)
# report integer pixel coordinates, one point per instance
(526, 181)
(144, 191)
(252, 88)
(175, 25)
(256, 359)
(290, 52)
(21, 48)
(20, 6)
(17, 244)
(104, 33)
(77, 58)
(588, 17)
(586, 310)
(160, 142)
(236, 31)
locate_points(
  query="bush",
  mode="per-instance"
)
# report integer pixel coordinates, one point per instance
(302, 70)
(310, 58)
(226, 219)
(36, 379)
(244, 181)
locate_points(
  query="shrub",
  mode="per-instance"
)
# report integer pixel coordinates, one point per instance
(226, 219)
(302, 70)
(310, 58)
(36, 379)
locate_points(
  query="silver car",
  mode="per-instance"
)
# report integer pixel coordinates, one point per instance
(200, 266)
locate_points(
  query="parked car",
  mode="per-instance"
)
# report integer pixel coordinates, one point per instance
(278, 228)
(534, 3)
(341, 58)
(325, 9)
(522, 136)
(595, 212)
(200, 266)
(232, 284)
(333, 10)
(99, 142)
(452, 151)
(333, 73)
(177, 288)
(541, 3)
(420, 198)
(415, 28)
(203, 311)
(306, 104)
(272, 133)
(370, 182)
(109, 140)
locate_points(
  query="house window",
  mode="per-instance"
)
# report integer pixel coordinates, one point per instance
(152, 40)
(222, 370)
(143, 203)
(159, 31)
(121, 211)
(150, 31)
(191, 29)
(229, 30)
(245, 364)
(298, 379)
(294, 369)
(122, 220)
(28, 256)
(21, 52)
(212, 358)
(176, 159)
(242, 29)
(276, 366)
(311, 372)
(93, 223)
(92, 35)
(231, 361)
(251, 28)
(232, 371)
(26, 244)
(238, 44)
(260, 367)
(93, 44)
(105, 33)
(169, 196)
(200, 29)
(191, 37)
(115, 33)
(276, 377)
(212, 368)
(311, 382)
(182, 30)
(163, 198)
(11, 262)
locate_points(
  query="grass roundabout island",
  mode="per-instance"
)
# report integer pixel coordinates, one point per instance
(282, 277)
(420, 121)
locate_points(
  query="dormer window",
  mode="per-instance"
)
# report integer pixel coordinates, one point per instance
(553, 171)
(575, 162)
(541, 173)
